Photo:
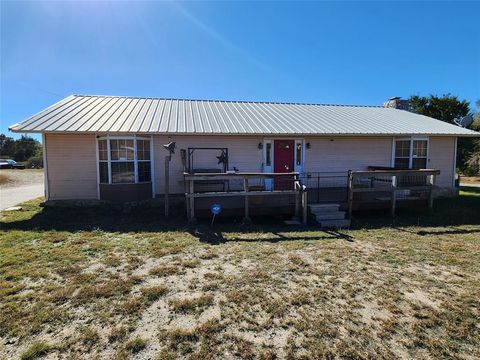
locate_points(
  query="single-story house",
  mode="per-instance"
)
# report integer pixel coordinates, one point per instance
(112, 147)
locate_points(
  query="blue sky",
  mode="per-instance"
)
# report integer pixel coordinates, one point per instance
(327, 52)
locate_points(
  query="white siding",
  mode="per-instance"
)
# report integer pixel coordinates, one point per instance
(349, 153)
(72, 171)
(243, 152)
(72, 168)
(441, 156)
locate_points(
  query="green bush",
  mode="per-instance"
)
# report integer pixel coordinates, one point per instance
(35, 162)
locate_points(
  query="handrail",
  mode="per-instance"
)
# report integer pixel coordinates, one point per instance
(298, 189)
(396, 172)
(393, 187)
(241, 175)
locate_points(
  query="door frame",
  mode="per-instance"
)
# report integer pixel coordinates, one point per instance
(269, 168)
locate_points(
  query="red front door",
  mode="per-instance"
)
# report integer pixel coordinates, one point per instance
(283, 156)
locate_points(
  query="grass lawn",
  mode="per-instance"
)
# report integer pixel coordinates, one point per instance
(94, 283)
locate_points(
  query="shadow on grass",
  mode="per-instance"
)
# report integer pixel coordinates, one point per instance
(463, 210)
(215, 237)
(151, 220)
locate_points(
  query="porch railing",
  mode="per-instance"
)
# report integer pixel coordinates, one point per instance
(247, 189)
(396, 184)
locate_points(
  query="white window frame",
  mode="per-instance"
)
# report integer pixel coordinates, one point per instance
(410, 155)
(135, 160)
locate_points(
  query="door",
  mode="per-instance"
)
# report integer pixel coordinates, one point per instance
(283, 162)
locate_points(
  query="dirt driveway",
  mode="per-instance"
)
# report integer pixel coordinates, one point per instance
(17, 186)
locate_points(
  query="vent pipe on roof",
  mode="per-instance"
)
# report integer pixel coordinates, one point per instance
(396, 102)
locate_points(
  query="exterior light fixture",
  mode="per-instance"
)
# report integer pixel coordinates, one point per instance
(307, 145)
(260, 145)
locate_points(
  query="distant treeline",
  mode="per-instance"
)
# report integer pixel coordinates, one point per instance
(26, 149)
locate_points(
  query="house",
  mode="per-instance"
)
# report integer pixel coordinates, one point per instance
(112, 148)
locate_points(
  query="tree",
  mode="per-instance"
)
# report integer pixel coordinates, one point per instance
(7, 146)
(25, 148)
(447, 108)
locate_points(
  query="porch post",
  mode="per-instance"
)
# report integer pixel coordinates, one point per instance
(350, 193)
(191, 200)
(430, 192)
(394, 195)
(304, 206)
(247, 210)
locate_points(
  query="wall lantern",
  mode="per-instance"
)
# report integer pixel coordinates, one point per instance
(307, 145)
(260, 145)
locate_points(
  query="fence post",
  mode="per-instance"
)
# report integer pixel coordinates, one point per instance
(304, 206)
(394, 194)
(350, 193)
(430, 193)
(298, 193)
(247, 210)
(191, 217)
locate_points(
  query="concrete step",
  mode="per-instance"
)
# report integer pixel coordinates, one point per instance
(323, 208)
(335, 224)
(333, 215)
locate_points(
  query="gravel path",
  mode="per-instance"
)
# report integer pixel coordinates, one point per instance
(20, 185)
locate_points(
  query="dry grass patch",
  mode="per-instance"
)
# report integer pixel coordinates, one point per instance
(165, 270)
(193, 305)
(99, 287)
(153, 293)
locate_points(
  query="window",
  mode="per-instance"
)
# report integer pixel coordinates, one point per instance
(124, 160)
(419, 154)
(298, 154)
(268, 154)
(411, 153)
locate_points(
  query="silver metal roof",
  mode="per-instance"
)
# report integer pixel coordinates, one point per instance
(114, 114)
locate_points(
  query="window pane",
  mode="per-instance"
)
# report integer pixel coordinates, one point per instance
(114, 149)
(419, 148)
(143, 149)
(419, 163)
(269, 154)
(143, 171)
(123, 172)
(129, 150)
(299, 153)
(402, 148)
(401, 163)
(102, 150)
(103, 170)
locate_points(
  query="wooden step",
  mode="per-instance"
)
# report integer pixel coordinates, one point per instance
(335, 224)
(332, 215)
(322, 208)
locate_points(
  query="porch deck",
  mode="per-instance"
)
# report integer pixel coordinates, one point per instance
(288, 184)
(352, 190)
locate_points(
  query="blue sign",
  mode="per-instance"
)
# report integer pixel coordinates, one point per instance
(215, 209)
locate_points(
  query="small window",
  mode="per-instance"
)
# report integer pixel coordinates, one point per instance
(298, 154)
(411, 154)
(402, 154)
(126, 157)
(268, 154)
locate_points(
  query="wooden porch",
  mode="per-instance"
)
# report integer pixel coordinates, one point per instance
(251, 184)
(379, 186)
(360, 190)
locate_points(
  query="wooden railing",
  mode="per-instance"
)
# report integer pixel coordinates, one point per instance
(393, 182)
(296, 189)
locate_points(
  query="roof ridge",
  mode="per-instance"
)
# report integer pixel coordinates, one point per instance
(229, 101)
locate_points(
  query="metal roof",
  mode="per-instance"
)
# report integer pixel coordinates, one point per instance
(115, 114)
